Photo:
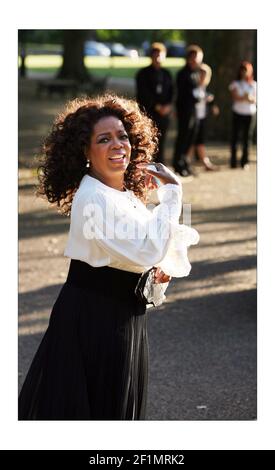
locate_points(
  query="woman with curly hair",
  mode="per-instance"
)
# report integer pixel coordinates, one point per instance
(92, 363)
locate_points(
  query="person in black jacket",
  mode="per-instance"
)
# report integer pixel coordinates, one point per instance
(154, 89)
(187, 80)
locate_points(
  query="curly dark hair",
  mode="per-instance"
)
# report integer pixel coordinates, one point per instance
(63, 160)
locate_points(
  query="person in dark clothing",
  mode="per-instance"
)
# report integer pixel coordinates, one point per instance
(154, 90)
(187, 80)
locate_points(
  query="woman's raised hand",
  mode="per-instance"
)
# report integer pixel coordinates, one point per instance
(160, 171)
(161, 277)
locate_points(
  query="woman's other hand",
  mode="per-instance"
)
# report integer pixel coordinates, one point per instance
(161, 277)
(161, 172)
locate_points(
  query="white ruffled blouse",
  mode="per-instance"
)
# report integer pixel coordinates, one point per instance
(114, 228)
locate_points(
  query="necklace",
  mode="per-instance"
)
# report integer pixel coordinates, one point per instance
(131, 198)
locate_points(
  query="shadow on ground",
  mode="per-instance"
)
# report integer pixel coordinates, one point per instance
(202, 358)
(39, 299)
(208, 269)
(42, 222)
(241, 213)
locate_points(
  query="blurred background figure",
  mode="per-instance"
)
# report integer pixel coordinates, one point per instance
(243, 92)
(188, 78)
(154, 90)
(206, 102)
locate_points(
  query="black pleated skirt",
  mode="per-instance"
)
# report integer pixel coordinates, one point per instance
(92, 363)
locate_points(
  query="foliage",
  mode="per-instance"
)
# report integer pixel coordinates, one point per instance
(40, 36)
(133, 37)
(137, 36)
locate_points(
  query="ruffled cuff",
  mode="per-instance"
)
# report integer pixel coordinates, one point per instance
(176, 263)
(171, 196)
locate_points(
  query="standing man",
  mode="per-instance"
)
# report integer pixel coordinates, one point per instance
(154, 93)
(187, 80)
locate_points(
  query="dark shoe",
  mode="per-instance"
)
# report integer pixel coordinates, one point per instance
(182, 168)
(185, 172)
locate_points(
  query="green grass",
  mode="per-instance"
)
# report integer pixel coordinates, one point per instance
(123, 67)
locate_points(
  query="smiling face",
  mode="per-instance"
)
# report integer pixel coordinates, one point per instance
(110, 149)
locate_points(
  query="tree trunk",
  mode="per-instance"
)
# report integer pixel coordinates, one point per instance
(23, 63)
(73, 56)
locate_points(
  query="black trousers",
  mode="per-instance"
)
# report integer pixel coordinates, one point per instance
(187, 130)
(162, 123)
(201, 133)
(242, 131)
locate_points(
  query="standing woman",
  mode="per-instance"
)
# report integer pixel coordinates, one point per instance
(92, 363)
(243, 92)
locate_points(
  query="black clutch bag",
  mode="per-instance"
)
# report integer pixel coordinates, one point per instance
(148, 291)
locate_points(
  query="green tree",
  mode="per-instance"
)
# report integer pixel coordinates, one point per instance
(136, 37)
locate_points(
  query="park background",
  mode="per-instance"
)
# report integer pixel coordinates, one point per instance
(203, 339)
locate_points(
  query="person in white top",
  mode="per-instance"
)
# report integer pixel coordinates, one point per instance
(244, 97)
(93, 360)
